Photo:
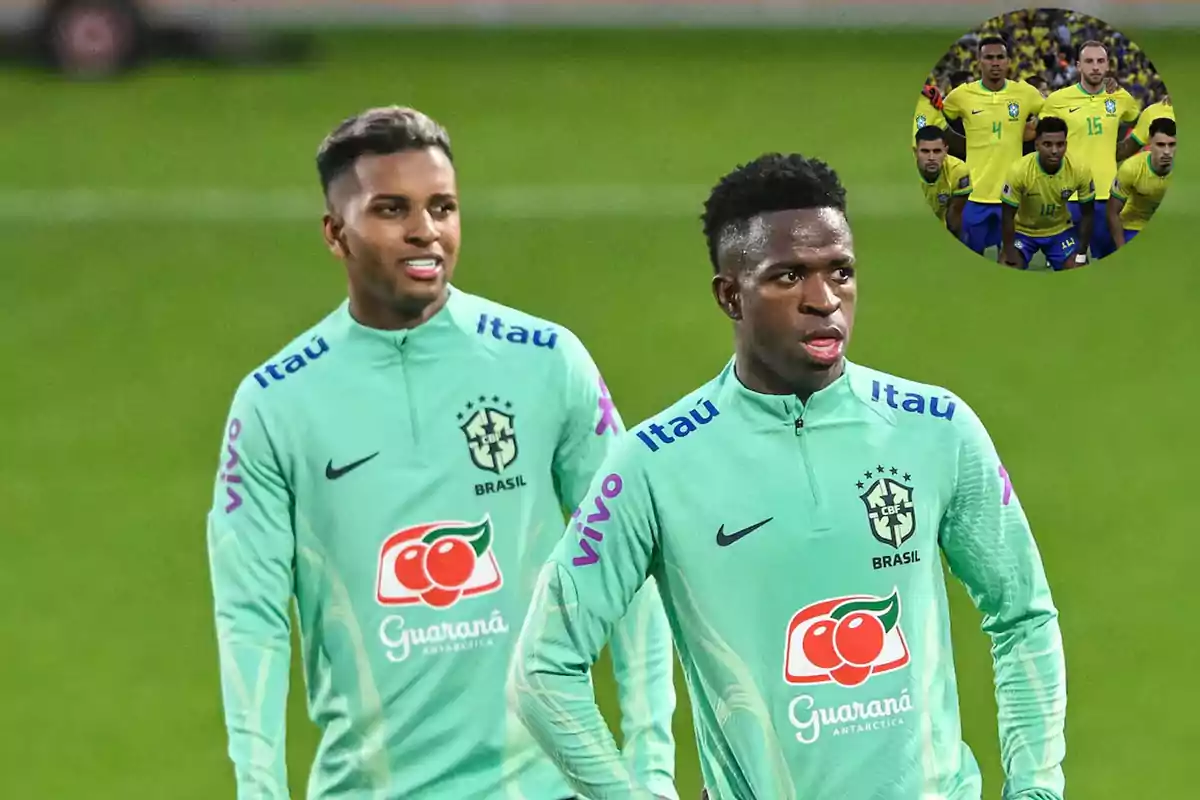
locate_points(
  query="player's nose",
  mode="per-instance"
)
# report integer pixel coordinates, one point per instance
(422, 230)
(818, 297)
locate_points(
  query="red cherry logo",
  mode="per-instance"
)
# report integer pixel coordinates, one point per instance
(859, 638)
(850, 675)
(410, 567)
(450, 562)
(440, 598)
(817, 645)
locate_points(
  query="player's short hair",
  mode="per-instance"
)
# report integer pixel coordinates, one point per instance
(377, 131)
(771, 182)
(1050, 125)
(959, 77)
(931, 133)
(994, 39)
(1163, 125)
(1091, 43)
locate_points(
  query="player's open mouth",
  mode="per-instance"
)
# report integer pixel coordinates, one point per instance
(422, 269)
(825, 347)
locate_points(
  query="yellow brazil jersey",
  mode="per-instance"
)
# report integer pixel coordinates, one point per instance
(1040, 198)
(1141, 134)
(926, 114)
(1093, 121)
(995, 126)
(954, 180)
(1141, 188)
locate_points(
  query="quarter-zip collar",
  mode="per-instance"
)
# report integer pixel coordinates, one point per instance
(450, 321)
(840, 399)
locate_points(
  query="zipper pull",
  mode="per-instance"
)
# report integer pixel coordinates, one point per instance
(799, 425)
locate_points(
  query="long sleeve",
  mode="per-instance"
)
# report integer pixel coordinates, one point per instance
(251, 547)
(642, 655)
(990, 548)
(587, 586)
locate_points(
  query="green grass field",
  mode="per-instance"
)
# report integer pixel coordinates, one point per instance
(159, 238)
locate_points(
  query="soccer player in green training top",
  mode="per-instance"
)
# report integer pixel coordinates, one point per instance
(402, 469)
(792, 512)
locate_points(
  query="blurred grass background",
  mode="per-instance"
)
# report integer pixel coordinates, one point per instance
(159, 238)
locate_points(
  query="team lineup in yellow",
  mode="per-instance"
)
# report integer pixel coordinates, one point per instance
(1079, 195)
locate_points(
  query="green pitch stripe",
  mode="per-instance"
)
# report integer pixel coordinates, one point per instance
(507, 202)
(544, 202)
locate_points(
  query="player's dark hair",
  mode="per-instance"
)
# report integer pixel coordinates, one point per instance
(959, 77)
(1091, 43)
(931, 133)
(771, 182)
(1050, 125)
(377, 131)
(993, 39)
(1163, 125)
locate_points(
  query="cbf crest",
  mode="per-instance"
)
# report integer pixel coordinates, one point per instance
(1014, 110)
(1110, 106)
(889, 501)
(491, 434)
(920, 121)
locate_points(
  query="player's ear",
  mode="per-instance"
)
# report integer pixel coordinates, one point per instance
(728, 296)
(331, 228)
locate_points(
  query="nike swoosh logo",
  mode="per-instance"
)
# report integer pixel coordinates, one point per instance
(333, 473)
(1073, 110)
(979, 111)
(724, 539)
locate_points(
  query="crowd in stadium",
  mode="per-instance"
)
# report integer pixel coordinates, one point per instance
(1044, 47)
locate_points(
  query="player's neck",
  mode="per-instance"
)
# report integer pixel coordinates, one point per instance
(803, 382)
(1083, 87)
(1043, 168)
(370, 313)
(993, 86)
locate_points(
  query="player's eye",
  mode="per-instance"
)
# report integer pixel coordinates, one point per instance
(445, 208)
(844, 274)
(789, 277)
(389, 210)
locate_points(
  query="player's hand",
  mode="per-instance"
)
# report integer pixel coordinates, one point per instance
(934, 95)
(1111, 85)
(1011, 258)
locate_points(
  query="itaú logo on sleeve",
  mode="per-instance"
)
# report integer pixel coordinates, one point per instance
(437, 563)
(845, 640)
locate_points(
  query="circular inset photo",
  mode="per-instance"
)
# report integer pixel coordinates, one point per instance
(1044, 139)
